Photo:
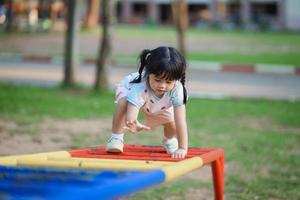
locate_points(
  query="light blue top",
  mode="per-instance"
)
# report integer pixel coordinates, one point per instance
(141, 95)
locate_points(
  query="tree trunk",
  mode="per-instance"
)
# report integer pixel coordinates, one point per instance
(72, 43)
(180, 15)
(104, 57)
(10, 16)
(91, 20)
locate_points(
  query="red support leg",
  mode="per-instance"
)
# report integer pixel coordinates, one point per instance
(218, 177)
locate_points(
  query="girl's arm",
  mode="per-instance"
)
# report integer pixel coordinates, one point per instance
(132, 124)
(132, 112)
(182, 133)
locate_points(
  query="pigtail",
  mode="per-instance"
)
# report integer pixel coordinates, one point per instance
(143, 61)
(182, 80)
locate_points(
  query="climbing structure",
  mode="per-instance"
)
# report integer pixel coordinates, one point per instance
(94, 174)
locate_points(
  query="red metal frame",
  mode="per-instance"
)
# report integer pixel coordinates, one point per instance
(212, 156)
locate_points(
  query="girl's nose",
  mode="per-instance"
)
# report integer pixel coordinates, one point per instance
(162, 85)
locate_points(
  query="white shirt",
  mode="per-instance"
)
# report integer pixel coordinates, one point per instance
(142, 96)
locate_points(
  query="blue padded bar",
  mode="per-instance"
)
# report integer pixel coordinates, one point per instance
(37, 183)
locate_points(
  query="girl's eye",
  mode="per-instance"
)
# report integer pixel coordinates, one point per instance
(157, 80)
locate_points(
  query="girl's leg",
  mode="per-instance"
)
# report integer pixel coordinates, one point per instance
(170, 130)
(170, 141)
(115, 143)
(119, 116)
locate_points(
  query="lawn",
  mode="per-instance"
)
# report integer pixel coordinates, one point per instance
(222, 46)
(236, 47)
(261, 138)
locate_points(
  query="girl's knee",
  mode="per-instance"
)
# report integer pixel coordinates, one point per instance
(170, 125)
(122, 104)
(170, 129)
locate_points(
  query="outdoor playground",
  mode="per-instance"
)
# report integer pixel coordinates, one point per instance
(260, 137)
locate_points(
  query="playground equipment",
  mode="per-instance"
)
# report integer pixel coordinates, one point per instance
(94, 174)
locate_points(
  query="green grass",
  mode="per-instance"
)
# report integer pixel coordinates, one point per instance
(169, 33)
(261, 138)
(236, 47)
(27, 104)
(166, 32)
(289, 59)
(258, 40)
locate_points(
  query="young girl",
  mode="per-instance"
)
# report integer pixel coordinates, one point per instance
(157, 90)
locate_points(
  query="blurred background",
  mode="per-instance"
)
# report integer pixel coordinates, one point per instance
(46, 15)
(214, 35)
(60, 60)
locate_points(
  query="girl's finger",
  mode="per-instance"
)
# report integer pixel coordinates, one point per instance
(126, 128)
(147, 128)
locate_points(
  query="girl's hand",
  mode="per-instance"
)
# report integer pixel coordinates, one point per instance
(179, 153)
(135, 126)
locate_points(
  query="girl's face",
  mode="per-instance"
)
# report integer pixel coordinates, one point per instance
(160, 85)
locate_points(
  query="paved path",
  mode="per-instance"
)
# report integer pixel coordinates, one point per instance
(205, 84)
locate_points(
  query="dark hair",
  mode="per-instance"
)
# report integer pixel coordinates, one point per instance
(165, 62)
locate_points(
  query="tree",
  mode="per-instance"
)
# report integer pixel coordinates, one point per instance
(104, 56)
(10, 16)
(180, 15)
(91, 20)
(72, 43)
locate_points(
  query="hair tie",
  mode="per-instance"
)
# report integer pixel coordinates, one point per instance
(148, 54)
